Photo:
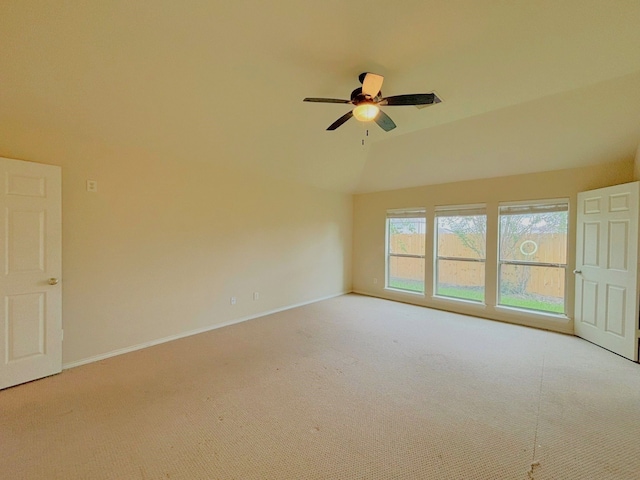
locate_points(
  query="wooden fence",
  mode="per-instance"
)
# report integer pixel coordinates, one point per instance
(545, 248)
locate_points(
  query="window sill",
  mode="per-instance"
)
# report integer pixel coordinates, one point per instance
(458, 301)
(532, 313)
(407, 292)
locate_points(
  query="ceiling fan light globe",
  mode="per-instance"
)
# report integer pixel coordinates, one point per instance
(365, 112)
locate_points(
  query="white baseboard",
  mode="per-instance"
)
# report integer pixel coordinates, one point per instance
(552, 323)
(208, 328)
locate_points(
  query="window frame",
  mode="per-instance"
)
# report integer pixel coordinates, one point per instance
(532, 203)
(417, 212)
(458, 211)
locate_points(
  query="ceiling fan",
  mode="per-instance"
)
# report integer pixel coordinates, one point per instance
(368, 99)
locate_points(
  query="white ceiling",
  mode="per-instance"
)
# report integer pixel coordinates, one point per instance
(527, 86)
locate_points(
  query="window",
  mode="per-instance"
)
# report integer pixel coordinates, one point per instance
(461, 239)
(405, 249)
(533, 256)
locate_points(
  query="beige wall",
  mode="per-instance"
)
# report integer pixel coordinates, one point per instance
(369, 231)
(162, 247)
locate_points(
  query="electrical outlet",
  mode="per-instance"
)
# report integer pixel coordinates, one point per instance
(256, 295)
(233, 300)
(92, 186)
(375, 281)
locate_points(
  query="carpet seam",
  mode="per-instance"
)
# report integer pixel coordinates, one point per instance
(535, 437)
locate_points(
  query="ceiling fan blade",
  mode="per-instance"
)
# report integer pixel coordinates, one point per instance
(372, 84)
(384, 121)
(411, 99)
(340, 121)
(326, 100)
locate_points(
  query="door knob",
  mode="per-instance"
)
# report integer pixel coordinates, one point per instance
(578, 272)
(53, 281)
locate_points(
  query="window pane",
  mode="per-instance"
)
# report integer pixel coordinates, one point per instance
(405, 253)
(534, 288)
(406, 273)
(460, 279)
(407, 236)
(536, 237)
(462, 236)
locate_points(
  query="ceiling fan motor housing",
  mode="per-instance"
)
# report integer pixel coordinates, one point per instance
(358, 97)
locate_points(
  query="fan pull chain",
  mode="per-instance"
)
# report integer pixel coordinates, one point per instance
(366, 134)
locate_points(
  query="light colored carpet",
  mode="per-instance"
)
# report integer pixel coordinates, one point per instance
(348, 388)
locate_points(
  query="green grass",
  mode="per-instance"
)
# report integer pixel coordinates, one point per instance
(477, 295)
(410, 285)
(531, 304)
(518, 301)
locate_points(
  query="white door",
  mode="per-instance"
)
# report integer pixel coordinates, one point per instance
(30, 259)
(606, 310)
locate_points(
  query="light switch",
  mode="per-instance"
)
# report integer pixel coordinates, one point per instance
(92, 186)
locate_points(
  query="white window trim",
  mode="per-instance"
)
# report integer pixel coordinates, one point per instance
(544, 201)
(460, 210)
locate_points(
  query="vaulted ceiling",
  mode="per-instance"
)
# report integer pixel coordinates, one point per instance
(527, 86)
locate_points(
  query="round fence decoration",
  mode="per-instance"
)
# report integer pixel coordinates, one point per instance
(528, 250)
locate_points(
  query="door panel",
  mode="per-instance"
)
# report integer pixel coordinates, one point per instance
(25, 326)
(606, 311)
(617, 243)
(26, 185)
(619, 203)
(30, 254)
(25, 241)
(614, 317)
(591, 249)
(590, 302)
(591, 204)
